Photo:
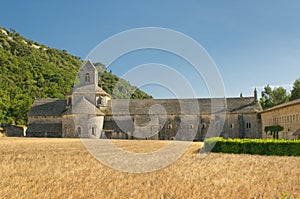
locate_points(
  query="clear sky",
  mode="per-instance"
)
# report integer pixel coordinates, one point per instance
(253, 43)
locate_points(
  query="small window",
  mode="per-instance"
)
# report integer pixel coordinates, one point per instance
(99, 101)
(191, 126)
(248, 125)
(203, 126)
(87, 77)
(170, 126)
(231, 125)
(79, 131)
(94, 131)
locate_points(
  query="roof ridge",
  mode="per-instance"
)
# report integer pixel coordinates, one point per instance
(88, 64)
(283, 105)
(83, 105)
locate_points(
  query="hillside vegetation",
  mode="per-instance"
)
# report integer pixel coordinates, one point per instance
(31, 70)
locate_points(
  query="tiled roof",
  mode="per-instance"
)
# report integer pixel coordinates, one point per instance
(297, 133)
(55, 107)
(83, 106)
(122, 125)
(89, 89)
(185, 106)
(283, 105)
(47, 107)
(88, 65)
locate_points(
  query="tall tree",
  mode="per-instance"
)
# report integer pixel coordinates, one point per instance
(295, 93)
(272, 97)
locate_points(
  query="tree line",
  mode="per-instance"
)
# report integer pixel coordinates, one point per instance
(275, 96)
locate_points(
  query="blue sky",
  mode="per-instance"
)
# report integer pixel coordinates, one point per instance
(253, 43)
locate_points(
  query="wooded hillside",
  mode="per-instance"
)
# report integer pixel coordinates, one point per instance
(31, 70)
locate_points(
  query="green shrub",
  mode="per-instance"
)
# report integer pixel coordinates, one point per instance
(253, 146)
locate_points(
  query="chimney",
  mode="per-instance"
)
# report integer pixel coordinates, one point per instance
(255, 94)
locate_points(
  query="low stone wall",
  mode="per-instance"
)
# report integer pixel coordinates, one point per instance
(14, 131)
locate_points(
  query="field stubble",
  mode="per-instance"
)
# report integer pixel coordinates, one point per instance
(62, 168)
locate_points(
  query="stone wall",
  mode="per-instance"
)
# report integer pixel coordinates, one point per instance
(186, 127)
(82, 125)
(287, 116)
(14, 131)
(68, 126)
(44, 119)
(235, 125)
(44, 126)
(251, 125)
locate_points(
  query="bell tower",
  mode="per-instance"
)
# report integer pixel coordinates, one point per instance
(88, 77)
(88, 74)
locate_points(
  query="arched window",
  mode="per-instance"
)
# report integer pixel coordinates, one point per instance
(79, 131)
(87, 77)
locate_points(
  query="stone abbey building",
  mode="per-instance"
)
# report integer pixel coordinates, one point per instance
(88, 111)
(286, 115)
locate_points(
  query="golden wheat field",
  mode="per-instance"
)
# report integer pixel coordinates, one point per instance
(63, 168)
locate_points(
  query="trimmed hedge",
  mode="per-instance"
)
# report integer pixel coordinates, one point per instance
(253, 146)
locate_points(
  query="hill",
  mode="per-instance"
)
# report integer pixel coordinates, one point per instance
(31, 70)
